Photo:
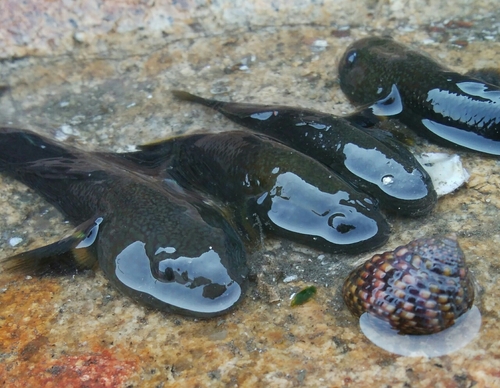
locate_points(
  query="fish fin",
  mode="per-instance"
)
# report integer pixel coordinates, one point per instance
(363, 118)
(61, 169)
(151, 158)
(233, 110)
(186, 96)
(245, 114)
(490, 75)
(24, 153)
(156, 154)
(379, 127)
(34, 147)
(72, 253)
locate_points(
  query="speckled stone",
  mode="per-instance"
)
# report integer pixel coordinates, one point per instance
(97, 75)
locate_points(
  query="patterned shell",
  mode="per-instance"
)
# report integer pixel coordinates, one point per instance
(419, 288)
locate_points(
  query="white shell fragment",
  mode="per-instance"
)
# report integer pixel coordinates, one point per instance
(290, 278)
(15, 241)
(433, 345)
(446, 171)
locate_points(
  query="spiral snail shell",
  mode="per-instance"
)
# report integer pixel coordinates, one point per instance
(419, 288)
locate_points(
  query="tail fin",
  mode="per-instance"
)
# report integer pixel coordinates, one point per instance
(185, 96)
(29, 158)
(58, 173)
(20, 147)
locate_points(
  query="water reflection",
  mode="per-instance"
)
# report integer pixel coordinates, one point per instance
(433, 345)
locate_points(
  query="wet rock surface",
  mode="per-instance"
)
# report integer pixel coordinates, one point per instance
(103, 82)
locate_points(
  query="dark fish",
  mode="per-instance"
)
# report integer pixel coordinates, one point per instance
(394, 80)
(160, 245)
(283, 191)
(419, 288)
(391, 175)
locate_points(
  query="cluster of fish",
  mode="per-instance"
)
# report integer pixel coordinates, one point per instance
(169, 224)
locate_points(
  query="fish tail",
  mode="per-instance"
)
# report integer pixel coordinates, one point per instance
(49, 168)
(20, 147)
(185, 96)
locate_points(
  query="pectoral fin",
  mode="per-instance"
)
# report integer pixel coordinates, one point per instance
(75, 252)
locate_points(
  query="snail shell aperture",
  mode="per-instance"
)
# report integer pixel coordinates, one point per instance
(419, 288)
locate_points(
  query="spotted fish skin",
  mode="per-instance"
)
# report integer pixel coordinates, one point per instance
(419, 288)
(446, 107)
(386, 172)
(163, 247)
(286, 192)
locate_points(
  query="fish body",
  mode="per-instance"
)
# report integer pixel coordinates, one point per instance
(392, 176)
(163, 248)
(155, 220)
(284, 191)
(391, 79)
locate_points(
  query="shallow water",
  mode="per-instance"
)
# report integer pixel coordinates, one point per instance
(111, 91)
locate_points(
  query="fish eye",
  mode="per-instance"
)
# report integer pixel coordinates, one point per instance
(350, 57)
